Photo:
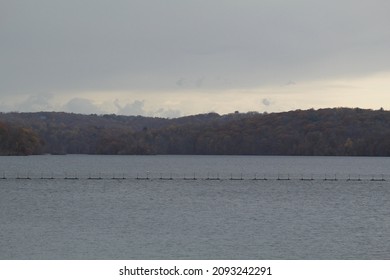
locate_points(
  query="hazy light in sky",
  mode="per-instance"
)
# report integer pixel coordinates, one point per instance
(174, 57)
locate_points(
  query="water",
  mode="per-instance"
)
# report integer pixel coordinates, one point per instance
(194, 219)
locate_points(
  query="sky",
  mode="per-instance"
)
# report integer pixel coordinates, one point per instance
(174, 58)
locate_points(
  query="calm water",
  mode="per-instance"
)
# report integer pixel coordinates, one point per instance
(194, 219)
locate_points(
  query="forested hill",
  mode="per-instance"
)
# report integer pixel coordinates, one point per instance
(339, 131)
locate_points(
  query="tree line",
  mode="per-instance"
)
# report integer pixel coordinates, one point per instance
(16, 140)
(325, 132)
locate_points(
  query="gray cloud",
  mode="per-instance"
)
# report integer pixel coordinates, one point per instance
(134, 109)
(82, 105)
(167, 113)
(181, 82)
(266, 102)
(290, 83)
(35, 103)
(67, 46)
(137, 108)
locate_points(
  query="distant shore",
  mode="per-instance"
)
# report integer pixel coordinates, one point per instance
(323, 132)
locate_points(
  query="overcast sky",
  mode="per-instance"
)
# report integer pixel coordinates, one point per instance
(178, 57)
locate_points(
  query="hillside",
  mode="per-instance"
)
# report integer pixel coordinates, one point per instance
(338, 131)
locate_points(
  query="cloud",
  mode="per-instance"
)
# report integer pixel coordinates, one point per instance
(132, 109)
(266, 102)
(146, 45)
(36, 103)
(290, 83)
(137, 108)
(202, 54)
(181, 82)
(167, 113)
(29, 103)
(82, 106)
(191, 83)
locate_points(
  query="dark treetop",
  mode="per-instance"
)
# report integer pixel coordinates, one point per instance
(338, 131)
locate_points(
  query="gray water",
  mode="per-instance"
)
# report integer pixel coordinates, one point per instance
(194, 219)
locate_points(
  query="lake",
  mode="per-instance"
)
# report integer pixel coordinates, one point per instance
(194, 207)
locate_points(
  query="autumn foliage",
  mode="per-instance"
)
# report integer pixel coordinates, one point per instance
(328, 132)
(15, 140)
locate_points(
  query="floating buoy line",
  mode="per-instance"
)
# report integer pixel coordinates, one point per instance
(193, 177)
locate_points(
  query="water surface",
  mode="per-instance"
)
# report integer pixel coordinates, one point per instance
(194, 219)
